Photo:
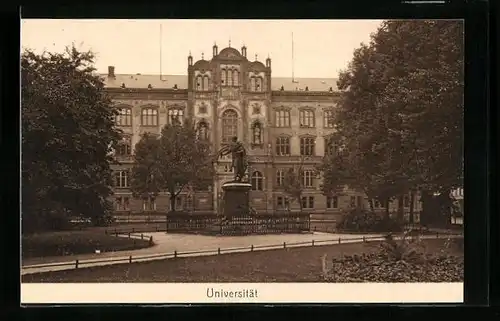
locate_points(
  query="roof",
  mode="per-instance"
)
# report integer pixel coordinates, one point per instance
(169, 81)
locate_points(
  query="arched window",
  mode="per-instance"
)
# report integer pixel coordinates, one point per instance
(236, 76)
(202, 130)
(282, 118)
(257, 133)
(252, 84)
(199, 83)
(223, 77)
(307, 178)
(229, 125)
(124, 147)
(307, 146)
(258, 84)
(229, 78)
(205, 83)
(175, 116)
(283, 146)
(328, 121)
(331, 146)
(257, 181)
(306, 118)
(280, 177)
(149, 117)
(122, 179)
(124, 117)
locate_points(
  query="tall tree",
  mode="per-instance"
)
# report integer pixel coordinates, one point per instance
(178, 159)
(146, 176)
(67, 135)
(401, 110)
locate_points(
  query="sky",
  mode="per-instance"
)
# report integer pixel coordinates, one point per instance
(321, 48)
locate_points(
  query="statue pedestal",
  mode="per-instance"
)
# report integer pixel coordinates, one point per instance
(236, 199)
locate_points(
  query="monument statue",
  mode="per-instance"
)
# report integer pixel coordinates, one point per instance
(238, 157)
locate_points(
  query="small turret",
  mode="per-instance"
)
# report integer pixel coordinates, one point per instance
(215, 50)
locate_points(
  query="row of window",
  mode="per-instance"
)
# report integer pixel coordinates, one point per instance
(229, 78)
(149, 117)
(122, 203)
(282, 202)
(307, 144)
(122, 179)
(307, 118)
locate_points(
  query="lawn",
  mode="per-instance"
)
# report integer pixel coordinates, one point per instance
(285, 265)
(76, 242)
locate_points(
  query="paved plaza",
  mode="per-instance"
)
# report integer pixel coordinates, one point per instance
(182, 243)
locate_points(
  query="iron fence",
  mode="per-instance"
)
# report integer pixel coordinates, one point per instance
(238, 225)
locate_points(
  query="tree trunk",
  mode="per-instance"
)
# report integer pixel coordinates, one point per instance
(172, 203)
(412, 202)
(444, 202)
(427, 208)
(401, 209)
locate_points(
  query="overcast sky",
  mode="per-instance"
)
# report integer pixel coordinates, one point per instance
(321, 47)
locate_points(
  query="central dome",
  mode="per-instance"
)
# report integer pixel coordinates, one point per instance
(230, 53)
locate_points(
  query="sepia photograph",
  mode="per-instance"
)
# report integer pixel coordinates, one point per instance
(247, 158)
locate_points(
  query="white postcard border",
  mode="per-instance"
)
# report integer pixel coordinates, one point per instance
(183, 293)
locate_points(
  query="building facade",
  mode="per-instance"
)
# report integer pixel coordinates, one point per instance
(281, 121)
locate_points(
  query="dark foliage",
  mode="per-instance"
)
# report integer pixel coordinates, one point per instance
(67, 135)
(360, 220)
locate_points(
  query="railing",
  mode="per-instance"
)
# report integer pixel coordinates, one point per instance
(175, 254)
(238, 225)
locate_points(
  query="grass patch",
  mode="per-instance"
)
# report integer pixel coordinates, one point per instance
(284, 265)
(76, 242)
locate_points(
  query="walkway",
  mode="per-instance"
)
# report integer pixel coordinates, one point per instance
(169, 243)
(182, 245)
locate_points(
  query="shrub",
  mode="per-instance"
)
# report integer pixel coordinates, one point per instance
(376, 268)
(402, 249)
(360, 220)
(400, 260)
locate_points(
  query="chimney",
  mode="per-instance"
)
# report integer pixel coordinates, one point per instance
(111, 71)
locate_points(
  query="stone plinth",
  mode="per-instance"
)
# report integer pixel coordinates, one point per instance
(236, 198)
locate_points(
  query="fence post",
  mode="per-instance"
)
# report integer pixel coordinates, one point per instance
(364, 239)
(128, 234)
(251, 248)
(116, 234)
(76, 264)
(130, 259)
(284, 245)
(437, 234)
(339, 240)
(175, 253)
(312, 242)
(142, 236)
(218, 250)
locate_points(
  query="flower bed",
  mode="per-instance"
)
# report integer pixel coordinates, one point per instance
(402, 260)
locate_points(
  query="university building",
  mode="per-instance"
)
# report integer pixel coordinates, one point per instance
(281, 121)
